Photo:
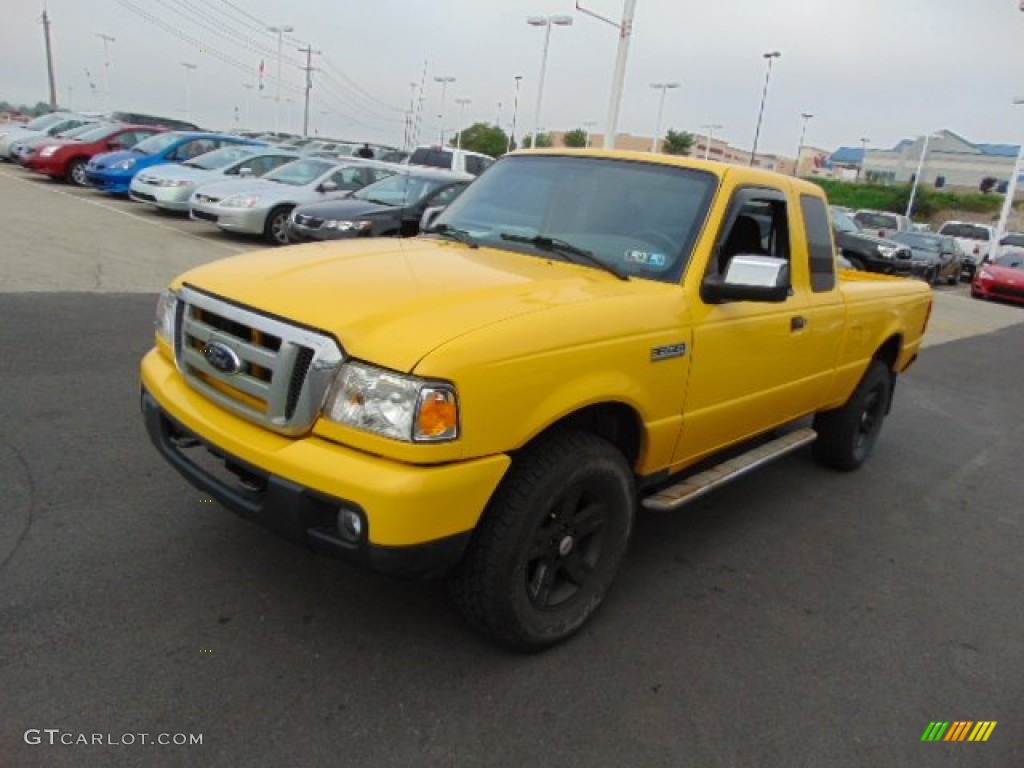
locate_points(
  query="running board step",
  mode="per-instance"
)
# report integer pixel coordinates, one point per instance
(695, 486)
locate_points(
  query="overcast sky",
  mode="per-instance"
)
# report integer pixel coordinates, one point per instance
(881, 69)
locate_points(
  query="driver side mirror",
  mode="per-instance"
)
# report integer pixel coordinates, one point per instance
(327, 186)
(244, 173)
(749, 278)
(429, 216)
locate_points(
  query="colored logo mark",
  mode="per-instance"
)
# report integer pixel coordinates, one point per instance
(959, 730)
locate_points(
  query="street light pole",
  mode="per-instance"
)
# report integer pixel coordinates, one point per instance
(770, 56)
(661, 104)
(188, 89)
(515, 114)
(709, 129)
(917, 175)
(106, 70)
(462, 117)
(1011, 191)
(279, 31)
(861, 171)
(547, 22)
(444, 87)
(800, 144)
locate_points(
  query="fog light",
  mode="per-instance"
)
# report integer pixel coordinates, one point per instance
(350, 525)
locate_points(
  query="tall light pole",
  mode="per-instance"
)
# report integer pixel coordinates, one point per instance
(280, 32)
(443, 80)
(547, 22)
(1011, 191)
(107, 39)
(462, 119)
(515, 114)
(709, 132)
(917, 175)
(188, 89)
(661, 104)
(770, 57)
(805, 116)
(864, 141)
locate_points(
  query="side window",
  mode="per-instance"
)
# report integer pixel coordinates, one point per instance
(819, 243)
(446, 195)
(473, 165)
(349, 179)
(757, 225)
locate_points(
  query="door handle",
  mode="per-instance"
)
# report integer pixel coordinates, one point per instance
(797, 323)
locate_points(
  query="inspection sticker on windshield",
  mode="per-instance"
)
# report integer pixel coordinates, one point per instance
(646, 259)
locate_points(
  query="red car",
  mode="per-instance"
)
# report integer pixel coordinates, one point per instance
(66, 158)
(1001, 279)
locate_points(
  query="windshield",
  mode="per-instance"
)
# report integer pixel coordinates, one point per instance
(219, 158)
(97, 132)
(843, 222)
(921, 242)
(403, 189)
(969, 231)
(74, 133)
(44, 122)
(1011, 261)
(876, 220)
(154, 145)
(639, 218)
(300, 173)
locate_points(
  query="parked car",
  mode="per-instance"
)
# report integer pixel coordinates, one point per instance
(56, 130)
(974, 239)
(1001, 279)
(263, 206)
(390, 207)
(33, 127)
(882, 223)
(24, 149)
(170, 186)
(866, 252)
(66, 158)
(934, 257)
(113, 171)
(461, 160)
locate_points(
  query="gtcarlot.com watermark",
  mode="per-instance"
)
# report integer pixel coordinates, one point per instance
(55, 737)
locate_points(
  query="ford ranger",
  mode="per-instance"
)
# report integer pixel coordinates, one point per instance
(581, 334)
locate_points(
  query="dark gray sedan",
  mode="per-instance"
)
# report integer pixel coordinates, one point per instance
(934, 258)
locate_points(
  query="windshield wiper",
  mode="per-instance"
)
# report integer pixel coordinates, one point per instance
(454, 233)
(565, 248)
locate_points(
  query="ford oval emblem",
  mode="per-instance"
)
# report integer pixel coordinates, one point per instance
(222, 357)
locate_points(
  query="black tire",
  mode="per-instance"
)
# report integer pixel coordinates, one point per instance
(856, 263)
(549, 544)
(276, 228)
(846, 435)
(76, 173)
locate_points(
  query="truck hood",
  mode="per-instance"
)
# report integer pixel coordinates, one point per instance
(392, 301)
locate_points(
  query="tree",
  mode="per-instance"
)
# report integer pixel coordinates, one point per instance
(484, 138)
(575, 138)
(677, 143)
(543, 140)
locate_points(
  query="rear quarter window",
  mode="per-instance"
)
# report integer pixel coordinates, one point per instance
(819, 243)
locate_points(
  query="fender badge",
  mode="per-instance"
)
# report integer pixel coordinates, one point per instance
(664, 353)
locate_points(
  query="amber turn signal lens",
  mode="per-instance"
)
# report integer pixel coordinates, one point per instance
(438, 416)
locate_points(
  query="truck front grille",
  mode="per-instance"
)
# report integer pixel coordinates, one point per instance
(278, 373)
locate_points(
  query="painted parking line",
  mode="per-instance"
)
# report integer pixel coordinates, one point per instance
(114, 209)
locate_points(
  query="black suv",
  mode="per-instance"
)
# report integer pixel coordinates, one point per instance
(867, 252)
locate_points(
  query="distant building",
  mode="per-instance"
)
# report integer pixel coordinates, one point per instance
(716, 149)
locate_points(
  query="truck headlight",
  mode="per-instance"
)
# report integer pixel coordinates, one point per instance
(166, 310)
(393, 404)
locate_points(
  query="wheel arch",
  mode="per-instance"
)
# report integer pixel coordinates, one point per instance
(618, 423)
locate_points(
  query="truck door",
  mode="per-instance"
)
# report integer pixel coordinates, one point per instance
(748, 357)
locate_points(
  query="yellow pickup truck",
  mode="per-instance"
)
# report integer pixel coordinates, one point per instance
(579, 335)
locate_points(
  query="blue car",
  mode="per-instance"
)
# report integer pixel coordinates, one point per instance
(113, 171)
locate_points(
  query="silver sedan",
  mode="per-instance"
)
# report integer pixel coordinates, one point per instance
(262, 206)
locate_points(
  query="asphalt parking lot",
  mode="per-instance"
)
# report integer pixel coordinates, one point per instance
(798, 617)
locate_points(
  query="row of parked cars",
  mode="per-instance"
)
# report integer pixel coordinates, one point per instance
(282, 190)
(889, 243)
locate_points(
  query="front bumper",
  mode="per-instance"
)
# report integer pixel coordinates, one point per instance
(249, 221)
(168, 198)
(416, 519)
(991, 289)
(48, 165)
(107, 180)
